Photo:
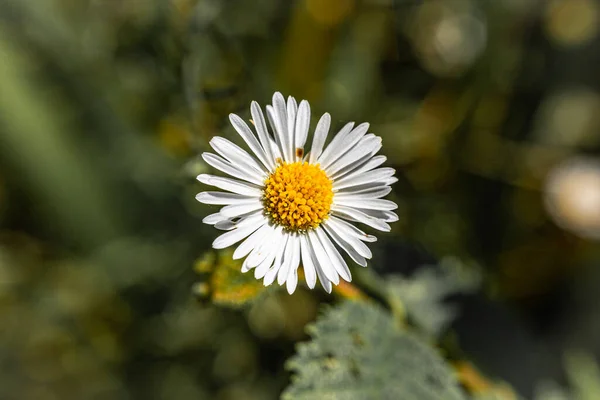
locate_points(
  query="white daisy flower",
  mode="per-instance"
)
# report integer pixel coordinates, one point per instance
(288, 206)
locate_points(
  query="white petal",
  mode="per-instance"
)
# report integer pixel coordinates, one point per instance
(225, 225)
(391, 216)
(245, 268)
(275, 129)
(302, 125)
(359, 216)
(263, 133)
(350, 229)
(292, 110)
(365, 187)
(337, 139)
(325, 282)
(265, 255)
(319, 138)
(307, 263)
(272, 272)
(361, 150)
(246, 133)
(280, 119)
(276, 151)
(387, 216)
(345, 144)
(234, 236)
(220, 198)
(263, 250)
(252, 218)
(251, 242)
(372, 176)
(370, 204)
(231, 185)
(368, 193)
(213, 219)
(296, 255)
(235, 154)
(365, 162)
(264, 266)
(291, 264)
(236, 210)
(225, 166)
(321, 259)
(334, 255)
(267, 262)
(357, 258)
(295, 262)
(361, 167)
(286, 262)
(356, 249)
(292, 280)
(390, 181)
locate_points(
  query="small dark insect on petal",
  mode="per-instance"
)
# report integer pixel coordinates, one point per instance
(299, 152)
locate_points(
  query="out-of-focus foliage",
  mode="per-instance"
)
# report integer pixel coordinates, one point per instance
(357, 351)
(584, 376)
(482, 388)
(224, 283)
(550, 391)
(422, 295)
(489, 111)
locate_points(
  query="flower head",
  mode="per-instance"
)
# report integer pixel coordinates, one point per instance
(289, 206)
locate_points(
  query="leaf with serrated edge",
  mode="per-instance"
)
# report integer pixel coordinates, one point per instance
(358, 352)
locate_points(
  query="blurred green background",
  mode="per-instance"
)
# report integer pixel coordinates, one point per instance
(489, 110)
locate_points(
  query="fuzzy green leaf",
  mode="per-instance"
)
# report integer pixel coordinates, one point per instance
(358, 352)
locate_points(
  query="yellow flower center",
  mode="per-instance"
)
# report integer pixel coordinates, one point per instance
(298, 196)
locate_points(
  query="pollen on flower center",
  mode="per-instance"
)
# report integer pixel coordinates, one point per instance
(298, 195)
